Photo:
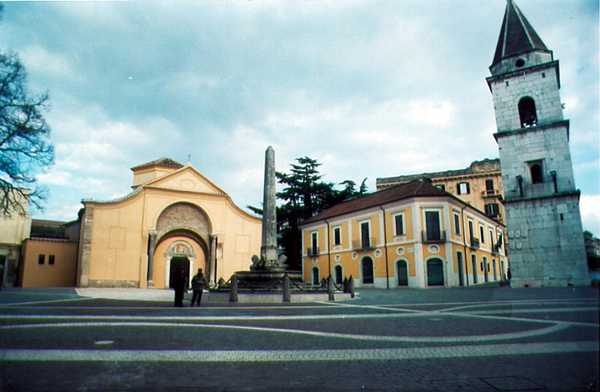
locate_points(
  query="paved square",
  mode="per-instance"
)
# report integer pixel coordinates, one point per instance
(473, 339)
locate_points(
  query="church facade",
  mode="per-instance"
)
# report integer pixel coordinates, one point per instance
(175, 218)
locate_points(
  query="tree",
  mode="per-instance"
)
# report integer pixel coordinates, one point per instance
(306, 195)
(24, 134)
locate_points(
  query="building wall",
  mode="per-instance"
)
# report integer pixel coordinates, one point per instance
(408, 247)
(61, 273)
(13, 231)
(116, 237)
(475, 178)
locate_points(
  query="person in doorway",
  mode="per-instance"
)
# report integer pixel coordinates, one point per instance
(198, 284)
(180, 286)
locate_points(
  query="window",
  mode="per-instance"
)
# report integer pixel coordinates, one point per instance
(432, 226)
(456, 224)
(527, 113)
(314, 243)
(489, 186)
(492, 210)
(441, 186)
(337, 236)
(399, 224)
(471, 229)
(51, 260)
(481, 235)
(463, 188)
(365, 234)
(492, 238)
(41, 259)
(536, 172)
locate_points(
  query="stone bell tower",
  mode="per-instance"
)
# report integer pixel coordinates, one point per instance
(542, 204)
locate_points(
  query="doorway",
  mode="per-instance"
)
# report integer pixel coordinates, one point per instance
(402, 273)
(178, 263)
(435, 272)
(367, 270)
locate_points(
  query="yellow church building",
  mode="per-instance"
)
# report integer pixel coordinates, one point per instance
(175, 218)
(413, 235)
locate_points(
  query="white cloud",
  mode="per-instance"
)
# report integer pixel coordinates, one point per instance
(589, 206)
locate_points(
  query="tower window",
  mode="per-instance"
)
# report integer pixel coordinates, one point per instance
(536, 173)
(527, 112)
(519, 63)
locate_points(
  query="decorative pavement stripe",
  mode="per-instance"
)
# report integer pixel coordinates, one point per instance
(413, 339)
(103, 355)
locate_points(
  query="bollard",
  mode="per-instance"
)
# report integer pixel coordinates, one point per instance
(351, 286)
(287, 289)
(331, 288)
(233, 293)
(345, 284)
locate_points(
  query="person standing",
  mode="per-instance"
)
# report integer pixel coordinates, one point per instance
(180, 286)
(198, 284)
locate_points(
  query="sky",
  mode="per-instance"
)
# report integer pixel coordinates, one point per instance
(370, 89)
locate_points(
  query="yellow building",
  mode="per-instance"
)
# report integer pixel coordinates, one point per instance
(480, 185)
(414, 235)
(174, 218)
(50, 255)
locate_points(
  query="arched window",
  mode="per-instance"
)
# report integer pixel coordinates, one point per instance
(536, 173)
(527, 112)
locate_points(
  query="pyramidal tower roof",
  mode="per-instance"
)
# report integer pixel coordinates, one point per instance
(517, 36)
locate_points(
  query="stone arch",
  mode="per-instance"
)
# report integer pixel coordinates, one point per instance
(184, 221)
(186, 217)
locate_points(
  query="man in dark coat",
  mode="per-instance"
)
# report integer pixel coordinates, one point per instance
(180, 286)
(198, 284)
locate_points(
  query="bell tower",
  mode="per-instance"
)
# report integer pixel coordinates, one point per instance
(545, 234)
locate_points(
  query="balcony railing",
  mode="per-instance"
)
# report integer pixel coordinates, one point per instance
(364, 243)
(312, 251)
(433, 236)
(474, 243)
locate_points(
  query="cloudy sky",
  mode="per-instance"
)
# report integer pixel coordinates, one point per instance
(368, 88)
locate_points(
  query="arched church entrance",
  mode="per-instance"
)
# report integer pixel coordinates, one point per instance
(182, 240)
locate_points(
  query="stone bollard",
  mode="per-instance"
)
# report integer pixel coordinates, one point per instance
(351, 286)
(345, 285)
(287, 289)
(233, 293)
(331, 288)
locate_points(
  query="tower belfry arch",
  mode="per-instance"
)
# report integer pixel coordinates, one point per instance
(541, 202)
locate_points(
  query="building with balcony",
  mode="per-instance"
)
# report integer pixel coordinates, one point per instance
(480, 185)
(412, 235)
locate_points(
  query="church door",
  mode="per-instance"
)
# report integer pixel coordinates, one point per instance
(176, 264)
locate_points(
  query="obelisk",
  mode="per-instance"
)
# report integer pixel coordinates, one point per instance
(268, 250)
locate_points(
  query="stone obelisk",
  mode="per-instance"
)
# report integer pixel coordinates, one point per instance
(268, 250)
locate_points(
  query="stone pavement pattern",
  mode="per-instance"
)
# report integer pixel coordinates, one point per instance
(469, 339)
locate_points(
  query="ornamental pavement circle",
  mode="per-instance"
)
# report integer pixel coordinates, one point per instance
(377, 325)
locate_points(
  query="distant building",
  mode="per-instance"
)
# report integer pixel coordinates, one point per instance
(480, 185)
(413, 235)
(49, 256)
(540, 198)
(14, 229)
